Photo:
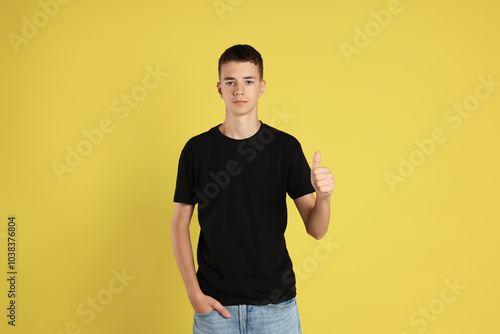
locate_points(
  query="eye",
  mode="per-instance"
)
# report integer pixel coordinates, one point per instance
(249, 82)
(229, 83)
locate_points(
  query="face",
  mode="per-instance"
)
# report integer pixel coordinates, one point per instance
(240, 87)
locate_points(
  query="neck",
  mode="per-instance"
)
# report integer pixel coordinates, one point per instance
(240, 127)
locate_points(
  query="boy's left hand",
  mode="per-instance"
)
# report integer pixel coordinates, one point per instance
(321, 178)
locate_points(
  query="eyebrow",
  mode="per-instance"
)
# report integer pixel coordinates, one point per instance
(231, 78)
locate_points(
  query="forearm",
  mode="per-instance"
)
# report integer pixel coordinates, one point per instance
(319, 219)
(183, 253)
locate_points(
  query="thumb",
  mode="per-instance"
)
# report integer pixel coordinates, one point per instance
(222, 310)
(316, 159)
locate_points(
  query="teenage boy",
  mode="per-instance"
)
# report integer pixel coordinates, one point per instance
(239, 173)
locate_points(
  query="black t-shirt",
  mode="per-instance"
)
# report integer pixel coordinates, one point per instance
(240, 187)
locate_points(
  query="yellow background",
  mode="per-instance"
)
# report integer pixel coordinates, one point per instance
(395, 249)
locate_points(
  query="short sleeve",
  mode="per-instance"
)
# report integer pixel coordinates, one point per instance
(299, 172)
(185, 184)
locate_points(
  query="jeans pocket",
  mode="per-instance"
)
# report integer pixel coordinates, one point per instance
(212, 323)
(283, 305)
(205, 314)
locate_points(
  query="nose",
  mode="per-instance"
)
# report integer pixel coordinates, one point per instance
(238, 90)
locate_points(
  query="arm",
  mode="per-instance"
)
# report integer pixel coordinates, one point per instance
(183, 252)
(315, 211)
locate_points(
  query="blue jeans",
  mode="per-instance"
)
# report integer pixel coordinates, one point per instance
(282, 318)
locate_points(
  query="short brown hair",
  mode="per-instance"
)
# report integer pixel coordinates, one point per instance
(242, 53)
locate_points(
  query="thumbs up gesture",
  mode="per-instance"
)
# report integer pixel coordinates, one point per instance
(321, 178)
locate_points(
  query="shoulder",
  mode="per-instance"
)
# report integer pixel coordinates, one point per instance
(201, 141)
(282, 137)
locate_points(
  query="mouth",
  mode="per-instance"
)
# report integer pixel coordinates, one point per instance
(239, 102)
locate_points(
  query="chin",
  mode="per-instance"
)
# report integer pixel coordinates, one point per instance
(240, 112)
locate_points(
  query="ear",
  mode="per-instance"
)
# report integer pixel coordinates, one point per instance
(219, 89)
(262, 87)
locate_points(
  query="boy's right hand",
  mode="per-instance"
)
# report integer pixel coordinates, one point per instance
(204, 304)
